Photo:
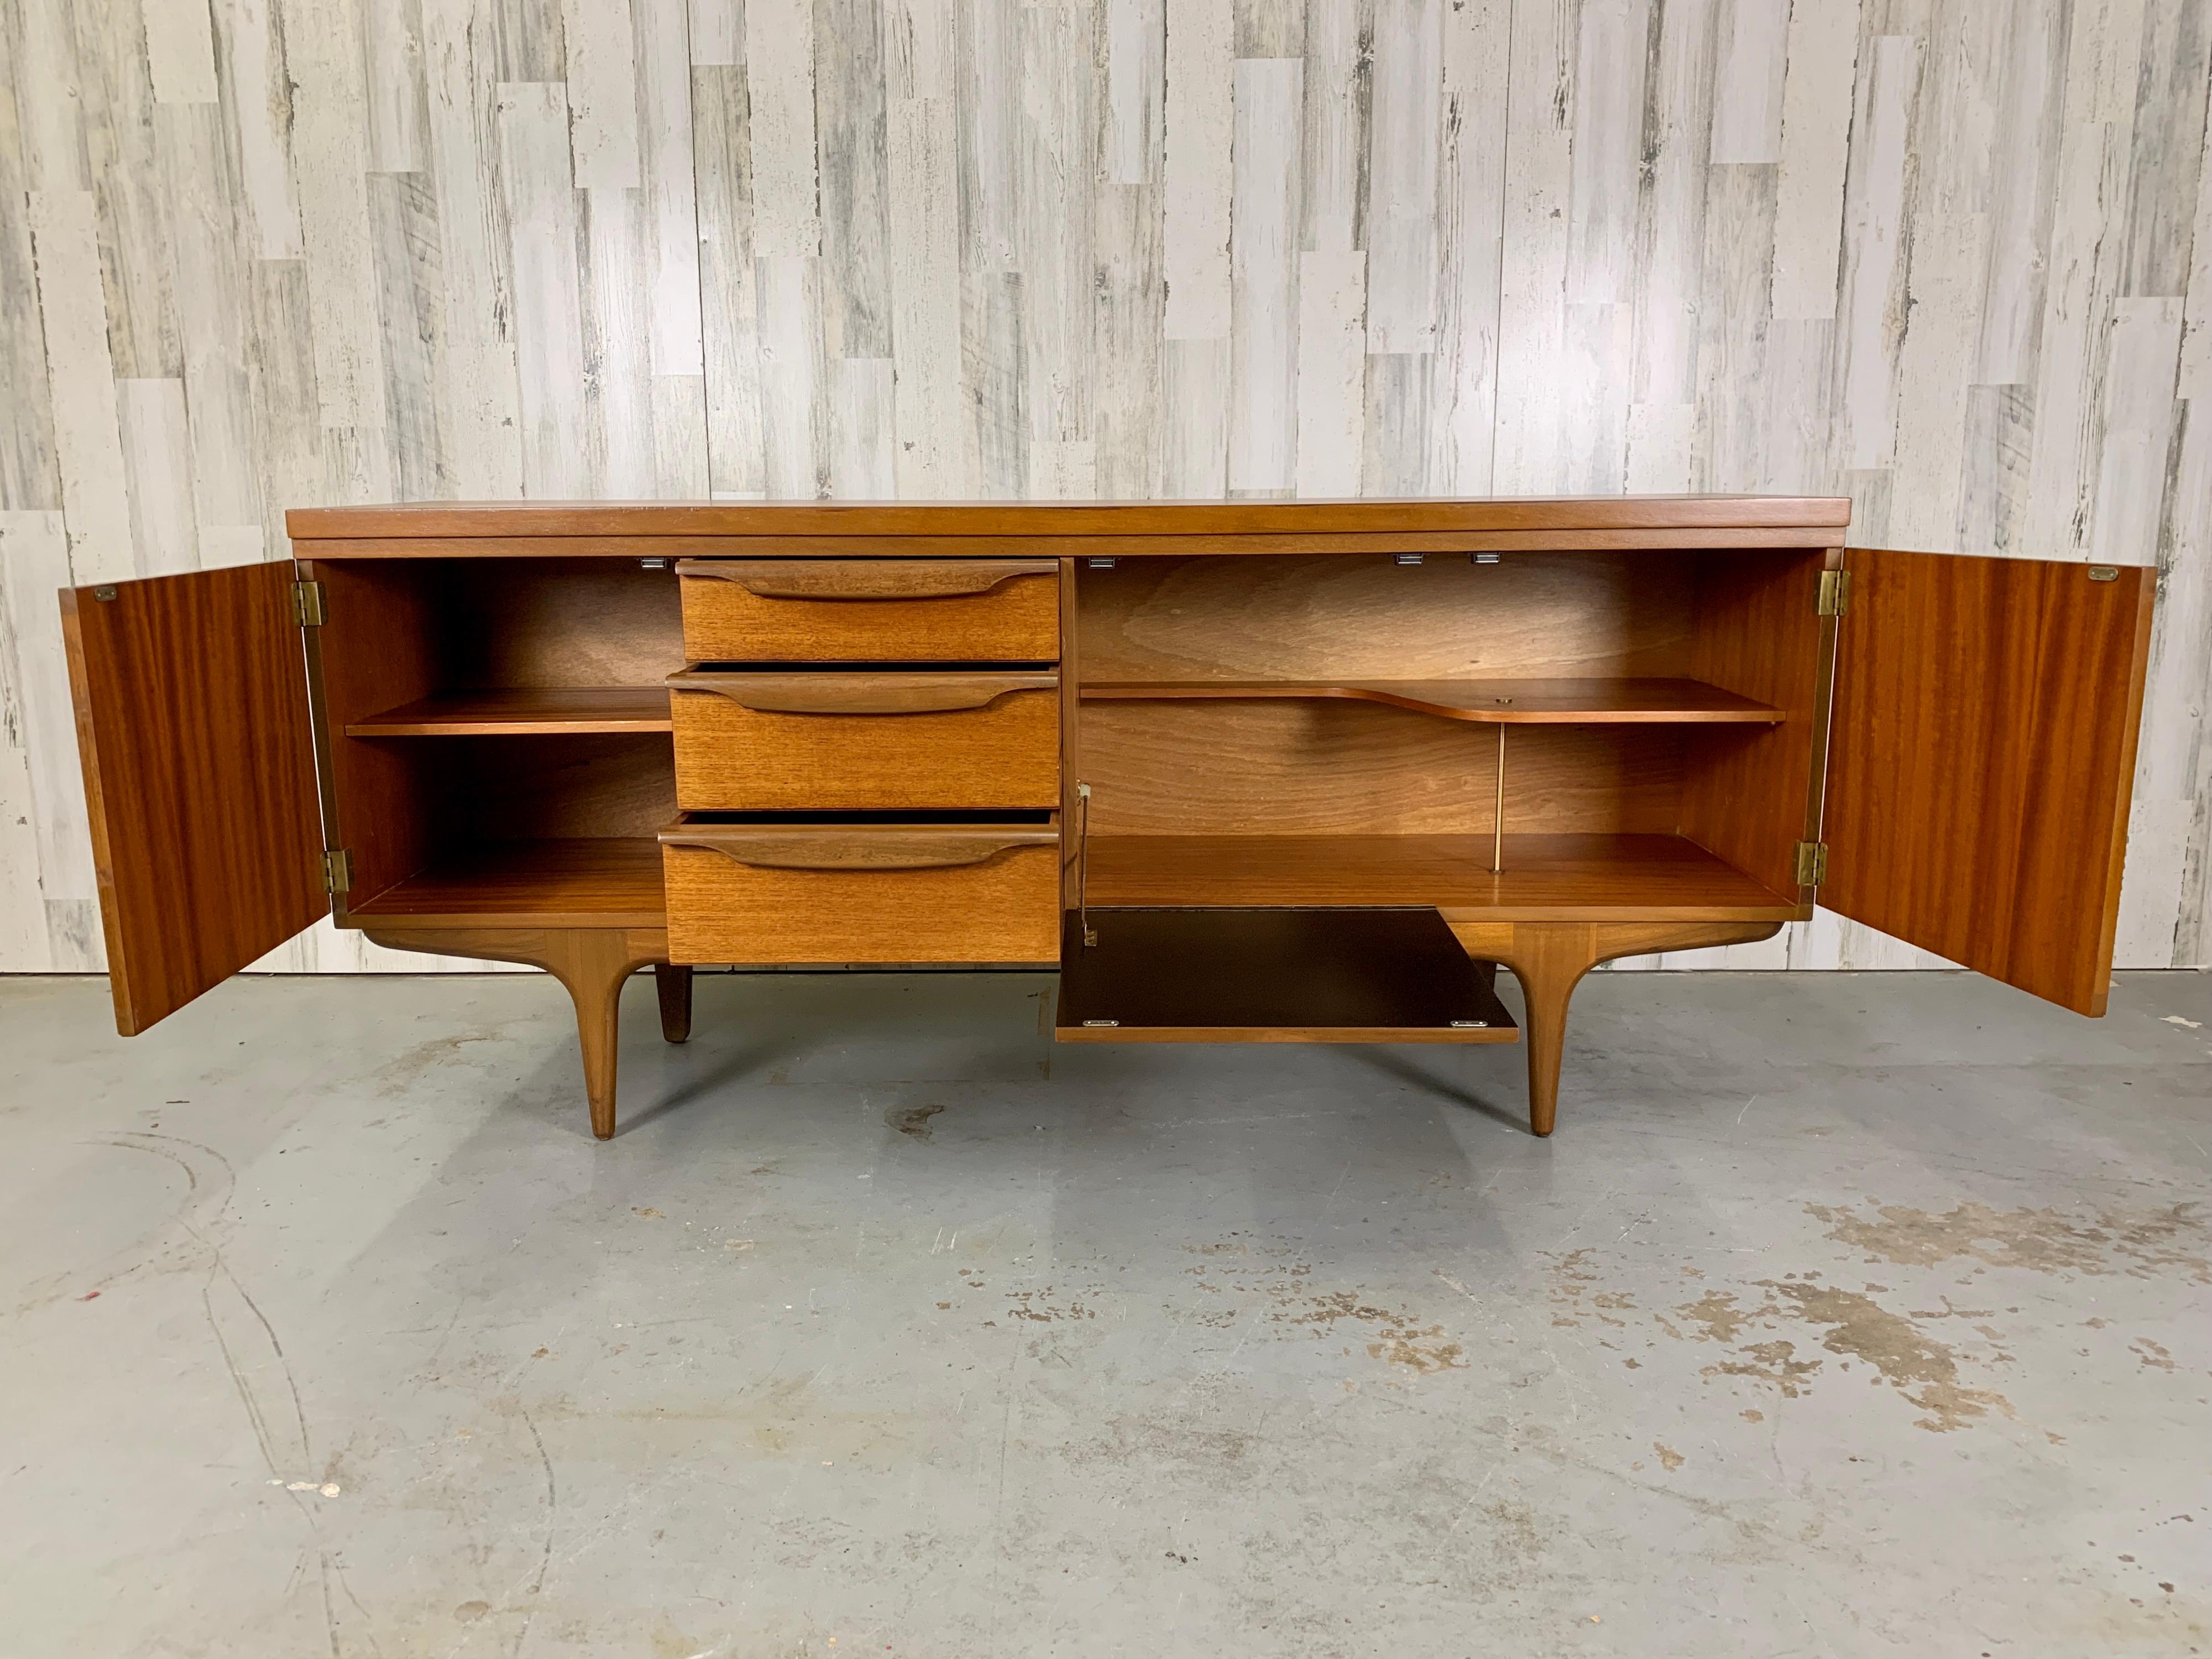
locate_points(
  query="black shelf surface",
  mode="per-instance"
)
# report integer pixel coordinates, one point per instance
(1254, 973)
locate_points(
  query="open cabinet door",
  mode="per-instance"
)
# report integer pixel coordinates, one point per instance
(1982, 749)
(199, 772)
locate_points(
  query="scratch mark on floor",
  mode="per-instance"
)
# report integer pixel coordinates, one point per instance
(545, 1556)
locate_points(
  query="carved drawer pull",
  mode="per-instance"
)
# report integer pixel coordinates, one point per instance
(843, 848)
(866, 578)
(861, 694)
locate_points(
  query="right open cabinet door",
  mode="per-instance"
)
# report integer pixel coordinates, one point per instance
(1982, 748)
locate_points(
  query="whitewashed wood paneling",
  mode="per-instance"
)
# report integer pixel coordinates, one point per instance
(1951, 257)
(34, 560)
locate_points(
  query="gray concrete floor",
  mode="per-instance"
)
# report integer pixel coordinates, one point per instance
(1845, 1315)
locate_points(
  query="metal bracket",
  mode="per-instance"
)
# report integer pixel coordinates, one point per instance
(338, 870)
(1835, 593)
(1812, 863)
(309, 606)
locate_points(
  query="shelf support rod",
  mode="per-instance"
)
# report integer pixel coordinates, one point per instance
(1497, 813)
(1089, 934)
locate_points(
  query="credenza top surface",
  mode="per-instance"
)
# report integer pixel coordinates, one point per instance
(1790, 516)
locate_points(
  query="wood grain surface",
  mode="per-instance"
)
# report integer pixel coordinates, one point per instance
(848, 846)
(904, 691)
(1004, 909)
(1588, 878)
(1074, 811)
(199, 776)
(1489, 702)
(860, 611)
(1319, 617)
(1068, 518)
(1752, 794)
(520, 712)
(732, 758)
(1984, 741)
(866, 578)
(382, 653)
(550, 622)
(1047, 544)
(552, 785)
(1338, 766)
(602, 882)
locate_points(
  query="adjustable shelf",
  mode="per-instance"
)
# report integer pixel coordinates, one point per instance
(1578, 877)
(554, 711)
(1501, 702)
(598, 882)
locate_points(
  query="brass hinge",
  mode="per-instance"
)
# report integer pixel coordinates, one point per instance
(307, 605)
(1835, 593)
(338, 870)
(1812, 863)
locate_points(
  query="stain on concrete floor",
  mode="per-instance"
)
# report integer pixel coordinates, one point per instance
(2166, 1239)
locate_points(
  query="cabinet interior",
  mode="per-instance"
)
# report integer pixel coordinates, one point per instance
(1304, 729)
(498, 734)
(1326, 730)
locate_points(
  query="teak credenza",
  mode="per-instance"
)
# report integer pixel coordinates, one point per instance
(1243, 771)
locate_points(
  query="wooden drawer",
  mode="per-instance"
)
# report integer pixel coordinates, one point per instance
(886, 890)
(871, 610)
(750, 741)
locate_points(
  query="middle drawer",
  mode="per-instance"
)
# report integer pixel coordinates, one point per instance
(750, 741)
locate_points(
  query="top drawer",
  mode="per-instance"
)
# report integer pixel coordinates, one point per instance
(871, 610)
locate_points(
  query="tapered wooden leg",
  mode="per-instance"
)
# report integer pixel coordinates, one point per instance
(597, 964)
(673, 985)
(1549, 966)
(1550, 959)
(592, 962)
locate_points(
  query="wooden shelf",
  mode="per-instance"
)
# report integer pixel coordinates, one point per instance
(518, 713)
(1546, 879)
(1491, 703)
(604, 883)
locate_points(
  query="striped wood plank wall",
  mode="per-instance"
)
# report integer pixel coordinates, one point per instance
(1953, 256)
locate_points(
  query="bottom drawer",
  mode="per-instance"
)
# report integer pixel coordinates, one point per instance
(922, 887)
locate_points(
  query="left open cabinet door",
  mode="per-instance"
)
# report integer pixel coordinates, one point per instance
(200, 775)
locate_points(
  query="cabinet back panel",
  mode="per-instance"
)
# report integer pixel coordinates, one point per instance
(1236, 768)
(546, 623)
(535, 788)
(1360, 616)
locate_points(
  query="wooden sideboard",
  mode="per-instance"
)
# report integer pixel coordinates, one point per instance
(1242, 771)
